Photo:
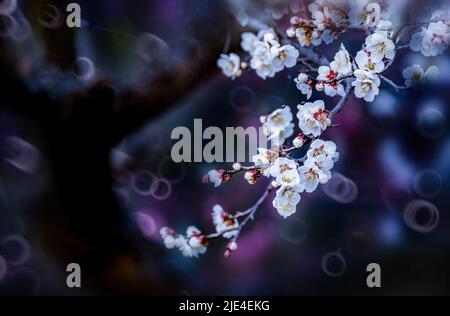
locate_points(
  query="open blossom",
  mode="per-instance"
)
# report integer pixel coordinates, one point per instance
(264, 159)
(320, 148)
(268, 56)
(364, 61)
(313, 118)
(380, 46)
(285, 172)
(249, 40)
(224, 222)
(431, 41)
(342, 63)
(366, 85)
(311, 175)
(304, 84)
(329, 79)
(278, 126)
(216, 177)
(230, 65)
(252, 176)
(169, 237)
(288, 56)
(191, 245)
(286, 199)
(414, 75)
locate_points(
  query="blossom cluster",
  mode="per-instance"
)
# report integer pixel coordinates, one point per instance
(433, 39)
(270, 53)
(362, 71)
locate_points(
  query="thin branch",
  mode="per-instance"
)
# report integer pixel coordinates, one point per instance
(393, 84)
(340, 105)
(249, 215)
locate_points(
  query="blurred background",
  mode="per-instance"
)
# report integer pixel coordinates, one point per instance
(86, 174)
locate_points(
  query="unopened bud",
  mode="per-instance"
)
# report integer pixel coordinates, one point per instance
(299, 141)
(237, 166)
(290, 32)
(319, 86)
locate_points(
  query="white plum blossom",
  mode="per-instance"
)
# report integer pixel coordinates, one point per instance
(224, 223)
(342, 63)
(320, 148)
(414, 75)
(313, 119)
(169, 237)
(196, 243)
(191, 245)
(278, 126)
(268, 56)
(311, 175)
(380, 46)
(248, 41)
(330, 81)
(286, 199)
(366, 85)
(285, 172)
(304, 84)
(252, 176)
(364, 61)
(431, 41)
(288, 56)
(215, 177)
(264, 159)
(230, 65)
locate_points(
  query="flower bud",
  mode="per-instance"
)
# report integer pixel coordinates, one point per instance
(319, 86)
(252, 176)
(233, 246)
(299, 141)
(290, 32)
(237, 166)
(263, 119)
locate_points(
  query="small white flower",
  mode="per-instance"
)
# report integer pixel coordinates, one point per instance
(329, 78)
(342, 63)
(286, 200)
(366, 85)
(380, 46)
(279, 118)
(169, 236)
(252, 176)
(431, 41)
(285, 172)
(230, 65)
(215, 177)
(304, 84)
(248, 41)
(413, 75)
(432, 73)
(264, 159)
(313, 119)
(364, 61)
(303, 35)
(326, 149)
(279, 126)
(311, 175)
(190, 246)
(224, 222)
(288, 56)
(196, 241)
